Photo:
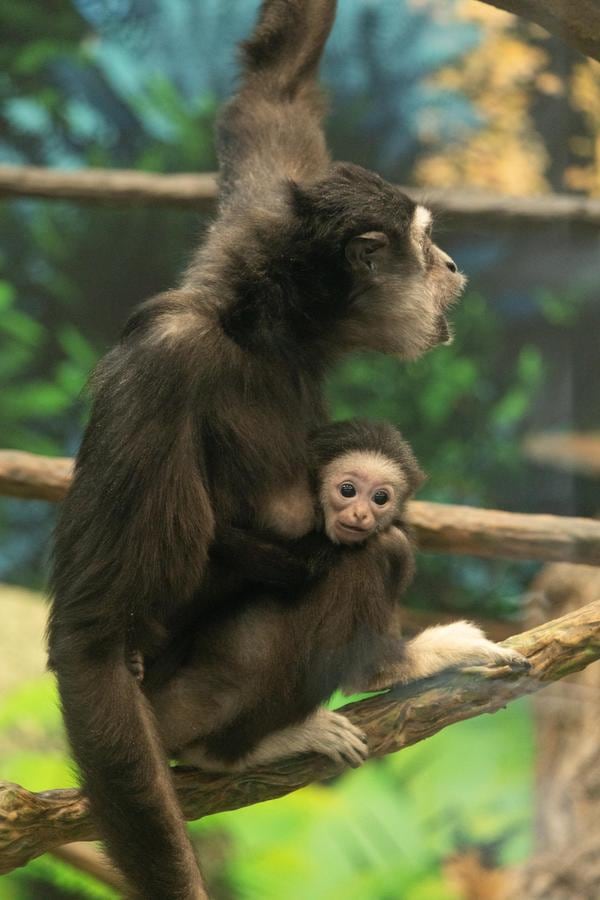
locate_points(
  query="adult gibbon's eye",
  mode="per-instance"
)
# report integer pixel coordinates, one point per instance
(347, 489)
(381, 497)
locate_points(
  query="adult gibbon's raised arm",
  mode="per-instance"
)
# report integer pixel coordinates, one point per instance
(271, 130)
(203, 411)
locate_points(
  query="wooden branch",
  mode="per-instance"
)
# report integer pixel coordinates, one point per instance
(199, 192)
(577, 22)
(123, 186)
(440, 527)
(570, 451)
(32, 824)
(34, 477)
(566, 841)
(446, 528)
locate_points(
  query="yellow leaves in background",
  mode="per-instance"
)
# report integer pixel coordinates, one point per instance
(585, 97)
(500, 77)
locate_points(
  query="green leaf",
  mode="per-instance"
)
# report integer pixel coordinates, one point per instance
(7, 296)
(21, 327)
(14, 361)
(79, 350)
(39, 399)
(530, 366)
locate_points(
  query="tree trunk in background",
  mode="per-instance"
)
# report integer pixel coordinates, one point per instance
(566, 859)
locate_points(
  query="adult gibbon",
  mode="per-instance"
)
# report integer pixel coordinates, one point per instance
(201, 415)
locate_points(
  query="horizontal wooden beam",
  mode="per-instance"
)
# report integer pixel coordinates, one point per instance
(440, 527)
(199, 192)
(122, 186)
(574, 452)
(471, 531)
(34, 477)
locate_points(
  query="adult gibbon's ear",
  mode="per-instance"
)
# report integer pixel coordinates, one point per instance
(362, 251)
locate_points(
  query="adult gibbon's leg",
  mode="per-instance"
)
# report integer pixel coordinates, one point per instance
(271, 130)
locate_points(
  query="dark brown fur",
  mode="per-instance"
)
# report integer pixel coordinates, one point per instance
(204, 408)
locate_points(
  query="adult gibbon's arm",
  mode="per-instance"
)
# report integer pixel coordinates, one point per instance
(260, 558)
(131, 545)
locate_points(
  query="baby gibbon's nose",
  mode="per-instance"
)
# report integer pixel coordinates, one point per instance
(361, 515)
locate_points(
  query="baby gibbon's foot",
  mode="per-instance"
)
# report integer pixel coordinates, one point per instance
(461, 645)
(510, 663)
(335, 736)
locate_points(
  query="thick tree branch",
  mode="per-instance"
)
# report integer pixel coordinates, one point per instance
(577, 22)
(440, 527)
(199, 192)
(32, 824)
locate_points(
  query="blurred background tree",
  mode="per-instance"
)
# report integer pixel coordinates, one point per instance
(448, 93)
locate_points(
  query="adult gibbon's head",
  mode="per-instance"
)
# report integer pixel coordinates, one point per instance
(401, 284)
(364, 472)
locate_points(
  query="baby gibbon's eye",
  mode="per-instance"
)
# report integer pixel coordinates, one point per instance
(381, 497)
(347, 489)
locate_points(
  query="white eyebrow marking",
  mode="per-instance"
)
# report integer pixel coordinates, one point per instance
(422, 218)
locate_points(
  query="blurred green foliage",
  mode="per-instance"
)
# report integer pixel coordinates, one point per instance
(33, 408)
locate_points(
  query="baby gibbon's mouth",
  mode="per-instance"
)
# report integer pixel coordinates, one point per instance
(353, 530)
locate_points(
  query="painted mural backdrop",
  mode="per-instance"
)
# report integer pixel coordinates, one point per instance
(436, 94)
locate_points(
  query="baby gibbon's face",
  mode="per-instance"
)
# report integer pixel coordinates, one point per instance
(360, 494)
